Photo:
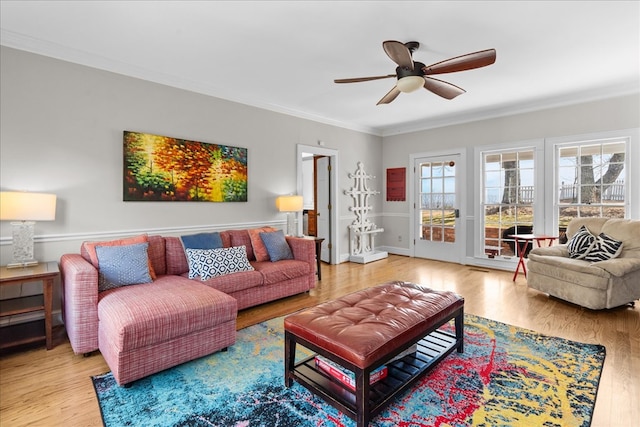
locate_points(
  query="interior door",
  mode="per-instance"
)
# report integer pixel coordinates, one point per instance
(323, 205)
(436, 208)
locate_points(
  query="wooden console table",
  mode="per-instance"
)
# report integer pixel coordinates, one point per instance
(25, 333)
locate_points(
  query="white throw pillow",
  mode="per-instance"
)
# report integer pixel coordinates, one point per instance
(208, 263)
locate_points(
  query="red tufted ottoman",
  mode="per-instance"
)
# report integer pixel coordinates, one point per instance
(365, 330)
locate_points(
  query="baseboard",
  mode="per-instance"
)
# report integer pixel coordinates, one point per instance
(395, 250)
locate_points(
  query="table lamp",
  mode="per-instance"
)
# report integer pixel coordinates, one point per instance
(24, 208)
(290, 205)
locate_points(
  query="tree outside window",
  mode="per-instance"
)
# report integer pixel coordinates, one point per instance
(590, 180)
(508, 196)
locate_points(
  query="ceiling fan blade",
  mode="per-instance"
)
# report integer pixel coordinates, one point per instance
(390, 96)
(442, 88)
(462, 63)
(363, 79)
(399, 53)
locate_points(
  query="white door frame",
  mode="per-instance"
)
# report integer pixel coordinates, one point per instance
(333, 197)
(461, 172)
(322, 202)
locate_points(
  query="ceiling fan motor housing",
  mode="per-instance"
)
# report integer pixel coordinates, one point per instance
(404, 71)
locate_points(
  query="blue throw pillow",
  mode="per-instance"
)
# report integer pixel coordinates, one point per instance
(208, 263)
(276, 245)
(202, 241)
(122, 265)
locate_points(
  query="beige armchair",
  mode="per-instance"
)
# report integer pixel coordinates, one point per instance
(594, 285)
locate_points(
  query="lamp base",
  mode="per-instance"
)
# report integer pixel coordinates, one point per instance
(23, 254)
(291, 224)
(23, 264)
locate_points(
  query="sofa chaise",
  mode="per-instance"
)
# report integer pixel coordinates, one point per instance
(579, 271)
(168, 319)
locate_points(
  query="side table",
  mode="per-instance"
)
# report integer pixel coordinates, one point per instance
(527, 238)
(46, 272)
(318, 241)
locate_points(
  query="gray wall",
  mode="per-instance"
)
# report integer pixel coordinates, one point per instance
(62, 130)
(592, 117)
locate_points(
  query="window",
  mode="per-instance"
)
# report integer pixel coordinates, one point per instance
(540, 185)
(508, 194)
(591, 180)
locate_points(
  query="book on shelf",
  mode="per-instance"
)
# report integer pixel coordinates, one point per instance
(344, 375)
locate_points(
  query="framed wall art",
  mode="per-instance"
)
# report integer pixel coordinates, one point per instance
(396, 184)
(161, 168)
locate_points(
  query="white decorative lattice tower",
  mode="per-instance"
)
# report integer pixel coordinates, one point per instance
(362, 231)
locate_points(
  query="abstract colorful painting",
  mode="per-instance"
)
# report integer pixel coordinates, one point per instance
(161, 168)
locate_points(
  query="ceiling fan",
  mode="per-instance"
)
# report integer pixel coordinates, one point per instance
(413, 75)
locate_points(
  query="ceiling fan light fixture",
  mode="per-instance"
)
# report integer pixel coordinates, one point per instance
(409, 84)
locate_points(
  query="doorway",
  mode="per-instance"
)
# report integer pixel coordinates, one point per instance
(326, 196)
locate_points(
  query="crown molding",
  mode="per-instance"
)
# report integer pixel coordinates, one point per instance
(45, 48)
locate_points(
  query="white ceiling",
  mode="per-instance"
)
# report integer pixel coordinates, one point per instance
(284, 55)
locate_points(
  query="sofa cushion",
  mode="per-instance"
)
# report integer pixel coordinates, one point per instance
(576, 271)
(202, 241)
(240, 238)
(90, 247)
(235, 282)
(593, 224)
(122, 265)
(276, 272)
(581, 243)
(170, 307)
(628, 232)
(276, 245)
(604, 248)
(175, 256)
(259, 250)
(156, 253)
(208, 263)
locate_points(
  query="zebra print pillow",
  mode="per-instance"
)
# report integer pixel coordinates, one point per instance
(605, 248)
(581, 243)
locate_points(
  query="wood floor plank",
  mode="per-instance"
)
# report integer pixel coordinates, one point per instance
(53, 388)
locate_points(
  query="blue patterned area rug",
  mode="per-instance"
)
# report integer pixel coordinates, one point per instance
(507, 376)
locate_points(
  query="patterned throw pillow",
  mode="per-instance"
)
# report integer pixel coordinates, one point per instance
(276, 245)
(208, 263)
(91, 249)
(122, 265)
(605, 248)
(581, 243)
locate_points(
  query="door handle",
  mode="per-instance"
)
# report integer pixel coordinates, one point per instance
(457, 213)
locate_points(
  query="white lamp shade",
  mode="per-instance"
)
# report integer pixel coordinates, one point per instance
(410, 83)
(289, 203)
(23, 206)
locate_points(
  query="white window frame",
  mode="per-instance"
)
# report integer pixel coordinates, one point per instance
(537, 145)
(631, 165)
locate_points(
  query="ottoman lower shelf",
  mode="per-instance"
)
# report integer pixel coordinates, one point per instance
(401, 375)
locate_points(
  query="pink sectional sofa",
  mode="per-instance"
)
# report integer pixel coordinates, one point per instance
(144, 328)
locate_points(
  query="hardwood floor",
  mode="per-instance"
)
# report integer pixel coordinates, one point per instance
(53, 388)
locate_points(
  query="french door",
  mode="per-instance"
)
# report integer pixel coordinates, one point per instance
(436, 213)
